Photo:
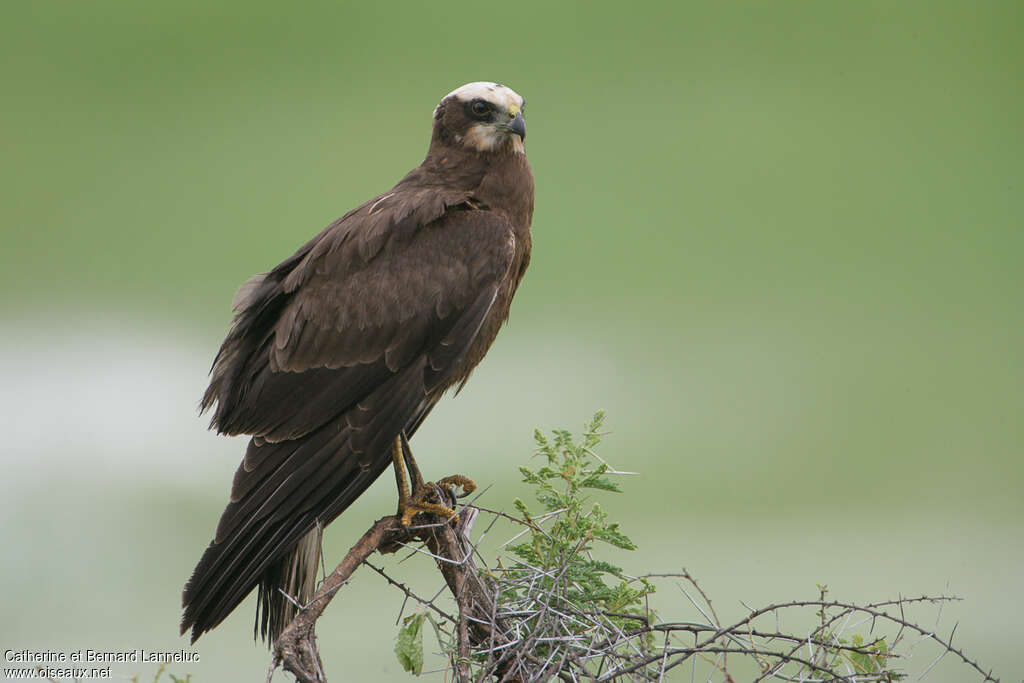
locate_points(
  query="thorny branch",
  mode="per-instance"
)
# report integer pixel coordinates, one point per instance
(557, 611)
(528, 640)
(296, 649)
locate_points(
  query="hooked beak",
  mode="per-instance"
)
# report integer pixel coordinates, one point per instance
(518, 125)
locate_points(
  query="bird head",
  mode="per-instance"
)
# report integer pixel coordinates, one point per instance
(482, 116)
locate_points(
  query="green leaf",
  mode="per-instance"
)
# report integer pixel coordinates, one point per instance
(598, 482)
(559, 562)
(409, 648)
(611, 534)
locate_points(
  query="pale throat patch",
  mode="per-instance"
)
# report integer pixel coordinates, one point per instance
(484, 137)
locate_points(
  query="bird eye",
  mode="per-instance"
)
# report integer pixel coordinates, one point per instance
(479, 107)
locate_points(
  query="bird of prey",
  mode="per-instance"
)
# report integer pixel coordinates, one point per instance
(337, 355)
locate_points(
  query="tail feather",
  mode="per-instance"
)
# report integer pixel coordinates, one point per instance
(282, 492)
(291, 578)
(273, 547)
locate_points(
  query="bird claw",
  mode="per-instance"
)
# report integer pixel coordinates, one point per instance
(419, 504)
(449, 484)
(424, 499)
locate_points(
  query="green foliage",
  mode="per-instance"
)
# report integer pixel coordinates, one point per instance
(561, 557)
(409, 648)
(865, 657)
(563, 610)
(873, 659)
(554, 584)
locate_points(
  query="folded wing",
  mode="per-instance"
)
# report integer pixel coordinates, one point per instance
(331, 355)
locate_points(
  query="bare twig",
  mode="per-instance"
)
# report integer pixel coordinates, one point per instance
(296, 649)
(537, 634)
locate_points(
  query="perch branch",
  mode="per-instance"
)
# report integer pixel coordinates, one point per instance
(449, 544)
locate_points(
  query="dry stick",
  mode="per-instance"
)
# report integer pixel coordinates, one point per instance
(471, 592)
(480, 624)
(874, 609)
(462, 665)
(409, 594)
(296, 649)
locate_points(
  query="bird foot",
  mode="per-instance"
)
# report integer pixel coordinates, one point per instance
(424, 500)
(449, 484)
(430, 498)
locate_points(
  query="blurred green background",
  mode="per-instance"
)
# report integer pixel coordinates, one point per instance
(779, 243)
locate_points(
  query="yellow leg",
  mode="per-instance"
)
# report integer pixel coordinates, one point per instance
(404, 491)
(415, 477)
(413, 493)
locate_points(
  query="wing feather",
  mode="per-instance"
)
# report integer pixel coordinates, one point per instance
(332, 354)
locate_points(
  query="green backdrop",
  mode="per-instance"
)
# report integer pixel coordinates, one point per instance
(779, 243)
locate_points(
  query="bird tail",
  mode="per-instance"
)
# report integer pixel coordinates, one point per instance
(287, 586)
(269, 534)
(283, 493)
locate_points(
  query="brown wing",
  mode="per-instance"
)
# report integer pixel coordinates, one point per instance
(332, 354)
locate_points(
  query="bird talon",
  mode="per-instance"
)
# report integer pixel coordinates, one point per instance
(420, 504)
(455, 481)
